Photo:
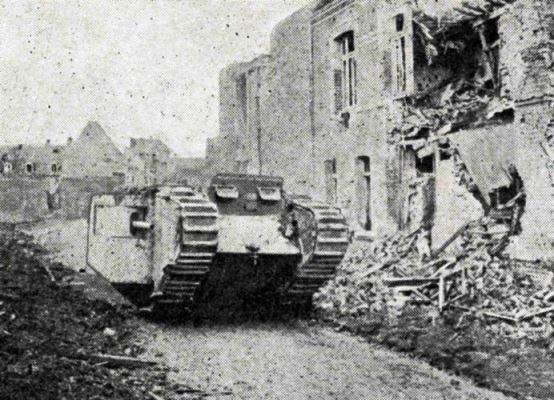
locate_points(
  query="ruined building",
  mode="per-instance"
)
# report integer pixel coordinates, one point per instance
(407, 114)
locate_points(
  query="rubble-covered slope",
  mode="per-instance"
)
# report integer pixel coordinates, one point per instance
(467, 308)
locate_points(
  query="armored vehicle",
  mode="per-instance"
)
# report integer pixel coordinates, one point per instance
(243, 241)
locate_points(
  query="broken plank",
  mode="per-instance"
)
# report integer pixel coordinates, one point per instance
(442, 269)
(536, 313)
(450, 240)
(409, 281)
(116, 361)
(442, 293)
(48, 271)
(154, 396)
(9, 296)
(499, 316)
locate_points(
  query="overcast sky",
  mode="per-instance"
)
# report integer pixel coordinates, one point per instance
(140, 68)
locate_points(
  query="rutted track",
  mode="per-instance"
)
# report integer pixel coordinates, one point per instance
(296, 362)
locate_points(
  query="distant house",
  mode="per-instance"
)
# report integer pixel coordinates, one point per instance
(147, 162)
(34, 160)
(93, 154)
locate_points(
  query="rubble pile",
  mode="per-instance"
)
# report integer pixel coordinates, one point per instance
(468, 274)
(54, 343)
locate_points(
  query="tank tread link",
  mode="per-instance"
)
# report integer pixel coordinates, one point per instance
(182, 280)
(329, 244)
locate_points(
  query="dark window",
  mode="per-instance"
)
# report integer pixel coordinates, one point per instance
(425, 165)
(399, 46)
(399, 21)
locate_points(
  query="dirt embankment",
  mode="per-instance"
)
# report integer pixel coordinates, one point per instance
(49, 331)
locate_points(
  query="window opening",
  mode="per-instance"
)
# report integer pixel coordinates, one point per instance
(400, 44)
(425, 165)
(345, 78)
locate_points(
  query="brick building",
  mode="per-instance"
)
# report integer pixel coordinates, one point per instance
(406, 114)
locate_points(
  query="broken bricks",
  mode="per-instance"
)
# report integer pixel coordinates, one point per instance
(512, 299)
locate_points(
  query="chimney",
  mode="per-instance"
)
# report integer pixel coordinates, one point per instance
(69, 140)
(48, 142)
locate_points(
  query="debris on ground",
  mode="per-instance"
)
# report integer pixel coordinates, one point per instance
(467, 296)
(474, 279)
(56, 344)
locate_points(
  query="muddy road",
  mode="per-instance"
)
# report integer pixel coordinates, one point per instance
(295, 361)
(270, 361)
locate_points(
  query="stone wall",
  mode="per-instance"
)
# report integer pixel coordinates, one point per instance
(23, 199)
(527, 62)
(265, 121)
(370, 119)
(287, 125)
(28, 199)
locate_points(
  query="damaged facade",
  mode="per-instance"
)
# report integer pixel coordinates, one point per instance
(405, 118)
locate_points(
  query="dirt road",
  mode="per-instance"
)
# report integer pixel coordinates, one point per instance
(271, 361)
(296, 362)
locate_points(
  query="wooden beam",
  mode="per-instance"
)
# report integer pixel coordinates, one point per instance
(450, 240)
(537, 313)
(114, 360)
(409, 281)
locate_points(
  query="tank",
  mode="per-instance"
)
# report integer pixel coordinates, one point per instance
(243, 242)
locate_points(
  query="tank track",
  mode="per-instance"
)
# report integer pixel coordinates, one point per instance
(184, 277)
(329, 244)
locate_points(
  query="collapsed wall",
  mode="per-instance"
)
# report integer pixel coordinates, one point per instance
(489, 109)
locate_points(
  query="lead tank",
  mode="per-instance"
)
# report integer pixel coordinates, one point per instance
(243, 243)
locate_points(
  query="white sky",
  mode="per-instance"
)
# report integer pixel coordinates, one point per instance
(140, 68)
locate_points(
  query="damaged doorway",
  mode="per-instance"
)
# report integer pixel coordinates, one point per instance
(363, 191)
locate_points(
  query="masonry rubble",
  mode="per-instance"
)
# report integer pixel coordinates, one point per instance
(470, 273)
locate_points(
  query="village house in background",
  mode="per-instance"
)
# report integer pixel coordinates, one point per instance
(408, 115)
(92, 154)
(58, 180)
